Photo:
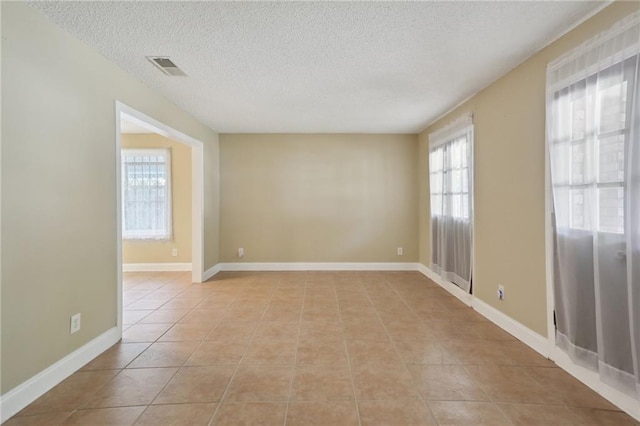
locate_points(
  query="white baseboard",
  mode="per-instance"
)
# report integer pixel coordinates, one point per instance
(155, 267)
(211, 272)
(27, 392)
(529, 337)
(459, 293)
(319, 266)
(590, 378)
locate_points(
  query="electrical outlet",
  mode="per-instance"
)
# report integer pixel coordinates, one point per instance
(500, 292)
(400, 251)
(75, 323)
(241, 252)
(174, 252)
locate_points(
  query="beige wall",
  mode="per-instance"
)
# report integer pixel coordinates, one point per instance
(59, 188)
(509, 119)
(159, 251)
(318, 198)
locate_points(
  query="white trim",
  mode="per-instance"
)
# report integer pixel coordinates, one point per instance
(319, 266)
(211, 272)
(197, 212)
(462, 295)
(548, 237)
(592, 379)
(452, 130)
(156, 267)
(27, 392)
(529, 337)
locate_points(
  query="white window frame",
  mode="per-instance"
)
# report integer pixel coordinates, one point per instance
(595, 136)
(157, 234)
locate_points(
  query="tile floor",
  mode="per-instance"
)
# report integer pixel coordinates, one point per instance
(312, 348)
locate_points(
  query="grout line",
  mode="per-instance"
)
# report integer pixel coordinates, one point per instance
(295, 356)
(233, 375)
(346, 352)
(415, 386)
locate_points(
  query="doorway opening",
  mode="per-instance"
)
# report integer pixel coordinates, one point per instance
(140, 135)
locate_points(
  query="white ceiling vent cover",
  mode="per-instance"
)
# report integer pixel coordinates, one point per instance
(166, 65)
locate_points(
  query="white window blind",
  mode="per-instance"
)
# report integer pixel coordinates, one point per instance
(146, 194)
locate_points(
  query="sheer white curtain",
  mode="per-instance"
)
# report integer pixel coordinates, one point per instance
(146, 194)
(593, 132)
(451, 184)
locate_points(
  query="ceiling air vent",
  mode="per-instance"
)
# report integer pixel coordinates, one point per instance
(166, 65)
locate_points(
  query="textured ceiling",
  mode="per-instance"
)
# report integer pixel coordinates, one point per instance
(372, 67)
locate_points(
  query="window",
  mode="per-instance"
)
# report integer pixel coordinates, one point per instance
(146, 194)
(449, 178)
(592, 123)
(451, 195)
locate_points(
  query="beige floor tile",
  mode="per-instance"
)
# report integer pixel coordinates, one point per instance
(277, 329)
(271, 351)
(187, 332)
(446, 383)
(196, 384)
(390, 382)
(321, 330)
(164, 316)
(489, 331)
(475, 352)
(231, 330)
(244, 313)
(539, 415)
(321, 383)
(250, 413)
(177, 415)
(147, 303)
(372, 352)
(563, 387)
(123, 416)
(164, 354)
(217, 352)
(446, 329)
(521, 355)
(73, 393)
(50, 419)
(510, 384)
(282, 314)
(399, 412)
(322, 413)
(130, 317)
(592, 416)
(144, 332)
(206, 316)
(133, 387)
(365, 330)
(422, 351)
(393, 340)
(117, 356)
(260, 383)
(180, 302)
(468, 413)
(321, 350)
